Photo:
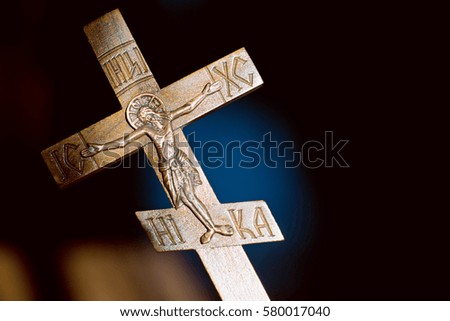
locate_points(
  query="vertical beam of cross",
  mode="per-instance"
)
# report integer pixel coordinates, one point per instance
(130, 76)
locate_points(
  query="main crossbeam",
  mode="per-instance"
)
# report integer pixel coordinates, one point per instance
(64, 160)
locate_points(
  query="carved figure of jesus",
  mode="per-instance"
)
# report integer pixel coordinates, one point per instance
(179, 174)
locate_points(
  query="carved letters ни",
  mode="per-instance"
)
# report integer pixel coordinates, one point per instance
(124, 65)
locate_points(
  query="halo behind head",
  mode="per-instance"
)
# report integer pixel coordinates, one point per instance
(145, 100)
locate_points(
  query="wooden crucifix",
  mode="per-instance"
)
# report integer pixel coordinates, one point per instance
(153, 119)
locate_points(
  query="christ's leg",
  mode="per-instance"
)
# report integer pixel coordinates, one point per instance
(202, 214)
(226, 230)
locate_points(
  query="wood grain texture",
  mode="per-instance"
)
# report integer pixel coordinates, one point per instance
(233, 274)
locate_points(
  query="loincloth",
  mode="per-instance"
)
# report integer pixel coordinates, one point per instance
(179, 176)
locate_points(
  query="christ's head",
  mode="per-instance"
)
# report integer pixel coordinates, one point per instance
(148, 116)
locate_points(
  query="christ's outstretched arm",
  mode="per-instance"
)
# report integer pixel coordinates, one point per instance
(118, 143)
(209, 89)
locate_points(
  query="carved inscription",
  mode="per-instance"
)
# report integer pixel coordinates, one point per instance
(124, 65)
(65, 162)
(164, 227)
(260, 224)
(70, 160)
(234, 75)
(237, 221)
(251, 221)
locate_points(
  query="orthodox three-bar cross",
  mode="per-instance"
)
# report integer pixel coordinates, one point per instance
(152, 119)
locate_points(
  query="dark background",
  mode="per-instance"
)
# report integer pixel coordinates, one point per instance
(377, 229)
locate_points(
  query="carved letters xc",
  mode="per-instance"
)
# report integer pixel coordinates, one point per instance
(236, 75)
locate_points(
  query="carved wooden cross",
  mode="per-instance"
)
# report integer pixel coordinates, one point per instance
(153, 120)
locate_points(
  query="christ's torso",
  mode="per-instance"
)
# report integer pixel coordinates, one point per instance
(164, 140)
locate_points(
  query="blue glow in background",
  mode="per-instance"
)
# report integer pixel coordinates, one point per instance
(286, 190)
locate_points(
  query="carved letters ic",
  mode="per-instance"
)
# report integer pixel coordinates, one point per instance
(69, 160)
